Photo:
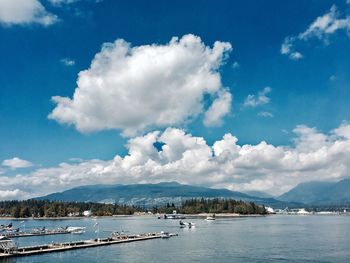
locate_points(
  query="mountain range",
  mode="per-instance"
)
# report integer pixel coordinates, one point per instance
(148, 195)
(319, 193)
(152, 194)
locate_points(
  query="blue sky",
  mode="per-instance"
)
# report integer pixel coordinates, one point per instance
(43, 54)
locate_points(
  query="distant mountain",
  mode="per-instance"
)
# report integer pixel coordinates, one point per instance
(259, 194)
(151, 194)
(319, 193)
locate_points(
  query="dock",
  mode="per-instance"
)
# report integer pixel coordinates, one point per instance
(7, 248)
(32, 234)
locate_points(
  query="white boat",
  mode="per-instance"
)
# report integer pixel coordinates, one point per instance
(187, 224)
(76, 229)
(210, 218)
(174, 216)
(39, 230)
(165, 234)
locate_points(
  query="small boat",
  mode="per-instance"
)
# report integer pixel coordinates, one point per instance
(210, 218)
(39, 230)
(165, 234)
(187, 224)
(174, 216)
(76, 229)
(12, 230)
(6, 227)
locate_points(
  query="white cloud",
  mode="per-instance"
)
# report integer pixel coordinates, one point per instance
(189, 159)
(326, 25)
(321, 28)
(16, 163)
(68, 61)
(235, 65)
(218, 109)
(133, 89)
(265, 114)
(257, 100)
(343, 131)
(13, 194)
(59, 3)
(295, 56)
(287, 45)
(309, 139)
(23, 12)
(287, 49)
(62, 2)
(285, 131)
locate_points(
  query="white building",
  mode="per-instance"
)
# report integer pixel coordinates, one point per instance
(302, 211)
(87, 213)
(270, 210)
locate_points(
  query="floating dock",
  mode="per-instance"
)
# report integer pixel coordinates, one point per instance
(32, 234)
(8, 250)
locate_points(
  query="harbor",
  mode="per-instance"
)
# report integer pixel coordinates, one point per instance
(10, 232)
(9, 249)
(32, 234)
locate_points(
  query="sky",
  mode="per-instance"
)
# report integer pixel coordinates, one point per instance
(244, 95)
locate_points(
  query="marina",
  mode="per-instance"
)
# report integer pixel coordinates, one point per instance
(9, 249)
(11, 232)
(214, 238)
(32, 234)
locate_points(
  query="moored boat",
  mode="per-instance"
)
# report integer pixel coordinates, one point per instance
(210, 218)
(187, 224)
(165, 234)
(76, 229)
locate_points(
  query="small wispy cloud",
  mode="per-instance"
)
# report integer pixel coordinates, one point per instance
(16, 163)
(62, 2)
(333, 77)
(235, 65)
(256, 100)
(285, 131)
(265, 114)
(68, 61)
(321, 28)
(295, 56)
(59, 3)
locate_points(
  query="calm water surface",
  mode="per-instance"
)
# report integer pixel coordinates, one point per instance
(265, 239)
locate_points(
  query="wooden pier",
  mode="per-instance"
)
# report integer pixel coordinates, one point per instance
(12, 251)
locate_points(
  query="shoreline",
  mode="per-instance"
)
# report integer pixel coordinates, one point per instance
(220, 215)
(194, 216)
(188, 216)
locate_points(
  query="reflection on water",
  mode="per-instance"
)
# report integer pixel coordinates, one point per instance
(272, 238)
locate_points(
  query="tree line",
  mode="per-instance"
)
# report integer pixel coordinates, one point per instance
(45, 208)
(215, 205)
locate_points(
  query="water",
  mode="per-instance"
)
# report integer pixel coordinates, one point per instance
(265, 239)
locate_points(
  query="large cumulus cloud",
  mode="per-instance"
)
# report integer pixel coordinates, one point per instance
(133, 89)
(189, 159)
